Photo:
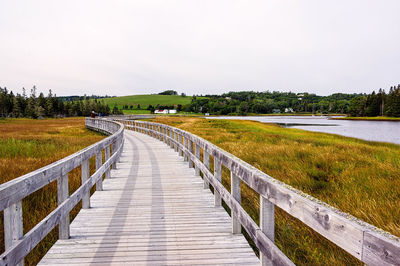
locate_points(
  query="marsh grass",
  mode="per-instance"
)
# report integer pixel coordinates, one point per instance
(373, 118)
(358, 177)
(26, 145)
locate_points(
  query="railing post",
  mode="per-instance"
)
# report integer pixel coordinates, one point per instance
(107, 156)
(173, 138)
(267, 224)
(177, 144)
(84, 178)
(235, 191)
(206, 161)
(113, 150)
(191, 151)
(185, 141)
(99, 183)
(179, 137)
(217, 175)
(13, 226)
(197, 153)
(169, 135)
(62, 195)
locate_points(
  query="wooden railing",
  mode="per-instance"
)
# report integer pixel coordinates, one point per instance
(362, 240)
(13, 192)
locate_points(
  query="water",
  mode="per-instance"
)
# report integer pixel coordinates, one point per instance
(383, 131)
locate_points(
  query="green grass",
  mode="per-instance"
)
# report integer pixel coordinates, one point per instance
(146, 100)
(358, 177)
(136, 112)
(375, 118)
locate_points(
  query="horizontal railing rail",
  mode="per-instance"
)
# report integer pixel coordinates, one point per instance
(13, 192)
(366, 242)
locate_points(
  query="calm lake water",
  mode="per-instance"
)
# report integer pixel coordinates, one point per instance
(367, 130)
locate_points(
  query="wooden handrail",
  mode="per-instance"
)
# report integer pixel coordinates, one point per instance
(366, 242)
(11, 193)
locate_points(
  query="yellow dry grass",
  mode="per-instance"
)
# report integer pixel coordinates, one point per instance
(358, 177)
(26, 145)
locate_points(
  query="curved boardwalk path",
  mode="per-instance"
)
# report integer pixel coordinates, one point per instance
(153, 210)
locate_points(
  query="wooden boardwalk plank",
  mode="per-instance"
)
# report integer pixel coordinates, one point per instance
(153, 210)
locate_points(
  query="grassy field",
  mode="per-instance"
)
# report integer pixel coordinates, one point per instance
(375, 118)
(26, 145)
(146, 100)
(136, 112)
(359, 177)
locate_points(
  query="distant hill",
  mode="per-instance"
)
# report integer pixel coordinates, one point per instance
(146, 100)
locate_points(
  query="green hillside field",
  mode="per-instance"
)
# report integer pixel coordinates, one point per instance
(146, 100)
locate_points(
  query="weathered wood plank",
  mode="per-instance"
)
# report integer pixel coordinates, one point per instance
(218, 178)
(206, 159)
(267, 225)
(377, 250)
(156, 217)
(62, 195)
(84, 177)
(191, 150)
(236, 194)
(13, 226)
(197, 154)
(107, 155)
(99, 158)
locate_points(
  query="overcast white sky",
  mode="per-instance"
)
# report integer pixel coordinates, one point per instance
(198, 47)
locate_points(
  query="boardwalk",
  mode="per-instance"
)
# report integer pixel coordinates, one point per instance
(153, 210)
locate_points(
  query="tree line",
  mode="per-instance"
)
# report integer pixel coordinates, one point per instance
(377, 104)
(33, 106)
(247, 102)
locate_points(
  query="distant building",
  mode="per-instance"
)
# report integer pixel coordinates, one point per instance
(165, 111)
(161, 111)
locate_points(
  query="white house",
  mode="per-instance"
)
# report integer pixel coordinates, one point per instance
(165, 111)
(161, 111)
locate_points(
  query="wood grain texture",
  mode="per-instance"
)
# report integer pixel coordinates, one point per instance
(153, 210)
(197, 154)
(13, 227)
(62, 195)
(206, 162)
(218, 178)
(99, 158)
(236, 194)
(84, 177)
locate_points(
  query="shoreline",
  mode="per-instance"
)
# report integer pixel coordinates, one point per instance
(375, 118)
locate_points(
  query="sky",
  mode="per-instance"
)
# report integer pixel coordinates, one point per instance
(125, 47)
